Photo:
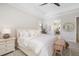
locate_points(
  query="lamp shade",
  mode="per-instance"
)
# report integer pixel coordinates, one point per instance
(6, 30)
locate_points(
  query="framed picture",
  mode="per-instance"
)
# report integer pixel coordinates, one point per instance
(68, 27)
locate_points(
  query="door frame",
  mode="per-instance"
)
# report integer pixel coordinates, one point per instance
(77, 41)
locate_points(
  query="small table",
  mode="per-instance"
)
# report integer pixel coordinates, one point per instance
(59, 47)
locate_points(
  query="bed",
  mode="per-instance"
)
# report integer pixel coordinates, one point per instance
(33, 43)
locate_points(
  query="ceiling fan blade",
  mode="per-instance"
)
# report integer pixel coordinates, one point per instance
(43, 4)
(57, 4)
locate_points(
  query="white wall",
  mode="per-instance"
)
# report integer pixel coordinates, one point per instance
(69, 36)
(12, 17)
(69, 18)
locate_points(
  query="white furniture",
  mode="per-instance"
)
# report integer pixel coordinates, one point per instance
(7, 45)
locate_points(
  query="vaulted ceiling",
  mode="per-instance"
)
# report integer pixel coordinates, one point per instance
(48, 9)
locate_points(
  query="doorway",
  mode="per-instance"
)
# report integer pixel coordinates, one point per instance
(77, 29)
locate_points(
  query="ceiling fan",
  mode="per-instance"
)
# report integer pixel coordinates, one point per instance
(57, 4)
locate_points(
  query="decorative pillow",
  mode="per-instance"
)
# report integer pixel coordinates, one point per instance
(27, 33)
(34, 32)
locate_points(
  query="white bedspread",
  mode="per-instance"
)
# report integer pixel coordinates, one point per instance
(42, 44)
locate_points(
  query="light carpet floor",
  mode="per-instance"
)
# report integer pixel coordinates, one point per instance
(74, 51)
(20, 53)
(17, 52)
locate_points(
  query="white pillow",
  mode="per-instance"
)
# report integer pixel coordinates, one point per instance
(28, 33)
(22, 33)
(34, 32)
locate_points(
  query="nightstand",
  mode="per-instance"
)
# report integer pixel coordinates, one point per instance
(7, 45)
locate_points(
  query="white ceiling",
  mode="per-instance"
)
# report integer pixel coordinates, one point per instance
(49, 9)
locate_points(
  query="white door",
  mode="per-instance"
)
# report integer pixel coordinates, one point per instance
(77, 29)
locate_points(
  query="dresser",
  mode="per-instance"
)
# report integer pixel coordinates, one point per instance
(7, 45)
